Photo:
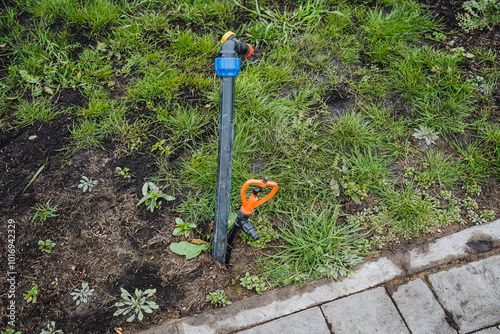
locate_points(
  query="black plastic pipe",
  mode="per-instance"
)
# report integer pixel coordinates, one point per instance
(227, 66)
(224, 168)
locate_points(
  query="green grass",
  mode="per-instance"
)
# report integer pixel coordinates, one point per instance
(316, 245)
(327, 108)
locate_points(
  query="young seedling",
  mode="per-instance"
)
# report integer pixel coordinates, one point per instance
(51, 329)
(183, 228)
(123, 172)
(162, 149)
(82, 295)
(136, 304)
(152, 195)
(31, 295)
(44, 211)
(87, 184)
(46, 246)
(218, 298)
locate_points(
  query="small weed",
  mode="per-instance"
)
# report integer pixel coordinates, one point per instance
(51, 329)
(44, 211)
(253, 282)
(152, 196)
(136, 304)
(11, 331)
(482, 217)
(183, 228)
(218, 298)
(479, 14)
(164, 150)
(82, 295)
(462, 53)
(87, 184)
(424, 133)
(123, 172)
(46, 246)
(31, 295)
(346, 177)
(264, 228)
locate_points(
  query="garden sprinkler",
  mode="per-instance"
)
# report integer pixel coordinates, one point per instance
(227, 66)
(241, 222)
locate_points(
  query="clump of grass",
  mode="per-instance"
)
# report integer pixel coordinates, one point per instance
(388, 32)
(352, 130)
(40, 110)
(96, 13)
(316, 245)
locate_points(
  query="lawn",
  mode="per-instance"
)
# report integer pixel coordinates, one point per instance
(379, 120)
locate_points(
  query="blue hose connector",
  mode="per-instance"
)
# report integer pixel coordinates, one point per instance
(227, 67)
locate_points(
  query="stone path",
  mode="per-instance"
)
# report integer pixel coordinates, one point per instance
(449, 286)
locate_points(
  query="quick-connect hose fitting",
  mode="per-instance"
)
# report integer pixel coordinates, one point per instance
(228, 63)
(232, 47)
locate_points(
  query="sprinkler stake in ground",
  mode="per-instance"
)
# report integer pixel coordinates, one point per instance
(248, 205)
(227, 66)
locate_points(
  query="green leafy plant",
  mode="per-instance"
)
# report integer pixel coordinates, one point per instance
(44, 211)
(183, 228)
(479, 14)
(164, 150)
(46, 246)
(123, 172)
(427, 134)
(51, 329)
(136, 304)
(87, 184)
(264, 228)
(346, 177)
(462, 53)
(253, 282)
(152, 196)
(31, 295)
(11, 331)
(188, 249)
(218, 298)
(82, 295)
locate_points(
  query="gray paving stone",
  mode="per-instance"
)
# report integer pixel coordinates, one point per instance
(491, 330)
(305, 322)
(471, 293)
(421, 311)
(473, 240)
(368, 312)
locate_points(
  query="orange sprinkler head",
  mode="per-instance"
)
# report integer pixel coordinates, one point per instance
(253, 201)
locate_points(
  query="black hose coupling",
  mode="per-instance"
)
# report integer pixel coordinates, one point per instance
(242, 223)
